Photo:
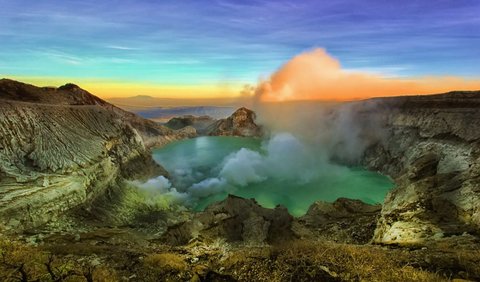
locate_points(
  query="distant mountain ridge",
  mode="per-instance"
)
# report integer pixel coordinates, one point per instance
(162, 113)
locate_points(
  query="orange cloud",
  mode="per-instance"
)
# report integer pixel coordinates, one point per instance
(315, 75)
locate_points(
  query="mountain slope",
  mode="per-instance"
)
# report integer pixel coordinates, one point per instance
(62, 147)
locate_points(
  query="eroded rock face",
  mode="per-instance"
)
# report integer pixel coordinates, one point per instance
(62, 147)
(432, 150)
(343, 221)
(235, 220)
(240, 123)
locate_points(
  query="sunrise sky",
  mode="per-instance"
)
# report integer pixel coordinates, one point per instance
(205, 49)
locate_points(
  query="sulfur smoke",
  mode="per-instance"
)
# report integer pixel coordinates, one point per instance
(282, 157)
(312, 128)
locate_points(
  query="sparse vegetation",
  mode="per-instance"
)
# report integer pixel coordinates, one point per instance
(170, 266)
(301, 260)
(21, 262)
(350, 262)
(324, 261)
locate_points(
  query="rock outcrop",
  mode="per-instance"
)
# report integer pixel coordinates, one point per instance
(234, 219)
(431, 148)
(240, 123)
(343, 221)
(62, 147)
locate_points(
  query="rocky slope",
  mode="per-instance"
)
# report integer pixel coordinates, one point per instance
(62, 147)
(430, 146)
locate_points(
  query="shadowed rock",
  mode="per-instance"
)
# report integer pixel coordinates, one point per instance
(236, 220)
(201, 123)
(345, 220)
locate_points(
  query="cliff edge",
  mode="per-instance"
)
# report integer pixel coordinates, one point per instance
(430, 146)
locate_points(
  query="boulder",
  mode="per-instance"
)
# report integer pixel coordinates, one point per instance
(343, 221)
(234, 219)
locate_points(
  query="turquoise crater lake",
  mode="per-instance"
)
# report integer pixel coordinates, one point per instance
(209, 168)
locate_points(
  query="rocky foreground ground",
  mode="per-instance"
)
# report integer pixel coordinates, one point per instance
(236, 240)
(69, 211)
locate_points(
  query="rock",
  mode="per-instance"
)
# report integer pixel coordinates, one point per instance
(240, 123)
(255, 229)
(431, 149)
(345, 220)
(235, 220)
(423, 167)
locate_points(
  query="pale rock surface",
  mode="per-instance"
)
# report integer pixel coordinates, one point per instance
(431, 148)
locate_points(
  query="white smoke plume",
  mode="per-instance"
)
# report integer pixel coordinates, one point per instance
(282, 157)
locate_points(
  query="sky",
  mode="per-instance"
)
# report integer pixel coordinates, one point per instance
(200, 48)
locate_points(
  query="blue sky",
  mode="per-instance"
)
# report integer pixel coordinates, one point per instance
(205, 42)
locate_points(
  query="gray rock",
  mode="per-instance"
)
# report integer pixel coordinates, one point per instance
(235, 220)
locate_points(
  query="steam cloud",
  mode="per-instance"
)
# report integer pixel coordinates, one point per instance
(283, 157)
(312, 85)
(316, 75)
(318, 132)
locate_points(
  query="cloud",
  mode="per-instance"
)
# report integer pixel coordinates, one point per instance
(335, 128)
(120, 47)
(315, 75)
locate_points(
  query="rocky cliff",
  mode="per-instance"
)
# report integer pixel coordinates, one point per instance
(240, 123)
(62, 147)
(430, 146)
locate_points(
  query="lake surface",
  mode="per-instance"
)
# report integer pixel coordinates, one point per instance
(208, 168)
